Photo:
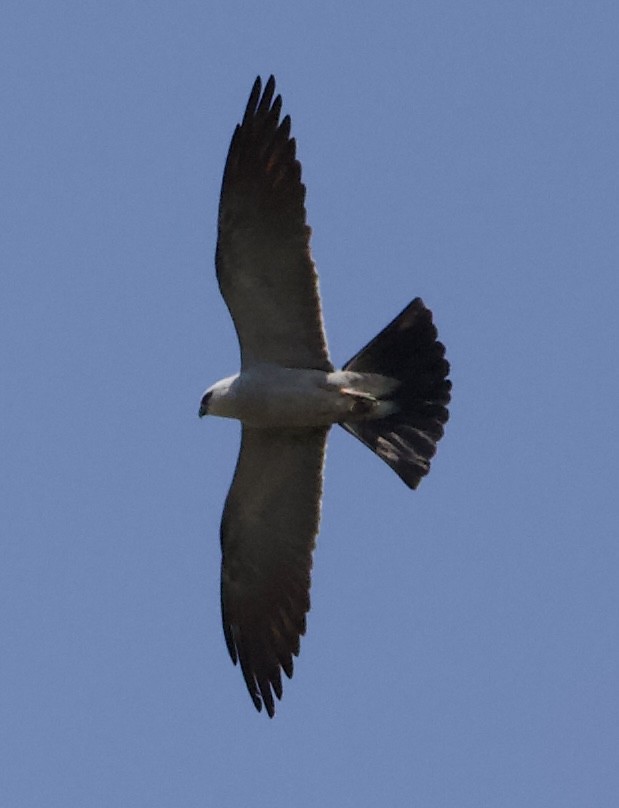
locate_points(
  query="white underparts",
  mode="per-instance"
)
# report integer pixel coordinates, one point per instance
(271, 396)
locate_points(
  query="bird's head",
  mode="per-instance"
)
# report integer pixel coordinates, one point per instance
(219, 399)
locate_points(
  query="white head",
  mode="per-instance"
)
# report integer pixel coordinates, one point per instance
(218, 398)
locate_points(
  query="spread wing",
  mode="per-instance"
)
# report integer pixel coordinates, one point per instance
(264, 266)
(268, 533)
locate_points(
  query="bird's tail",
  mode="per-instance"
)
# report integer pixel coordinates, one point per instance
(408, 351)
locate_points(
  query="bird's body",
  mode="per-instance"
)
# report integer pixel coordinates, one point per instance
(392, 396)
(268, 396)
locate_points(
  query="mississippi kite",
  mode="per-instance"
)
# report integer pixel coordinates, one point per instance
(392, 396)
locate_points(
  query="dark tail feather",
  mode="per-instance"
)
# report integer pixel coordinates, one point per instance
(407, 350)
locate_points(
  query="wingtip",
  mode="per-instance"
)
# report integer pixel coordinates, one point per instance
(255, 101)
(267, 97)
(252, 102)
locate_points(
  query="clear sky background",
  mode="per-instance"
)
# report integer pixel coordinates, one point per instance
(463, 643)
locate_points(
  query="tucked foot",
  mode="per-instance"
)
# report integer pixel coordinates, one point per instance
(360, 403)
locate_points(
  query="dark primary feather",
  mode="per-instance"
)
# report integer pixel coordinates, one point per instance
(264, 266)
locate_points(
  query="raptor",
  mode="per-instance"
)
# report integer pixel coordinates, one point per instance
(392, 396)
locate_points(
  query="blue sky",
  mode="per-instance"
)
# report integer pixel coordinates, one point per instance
(462, 647)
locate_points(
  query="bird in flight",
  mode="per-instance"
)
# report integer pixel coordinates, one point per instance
(392, 396)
